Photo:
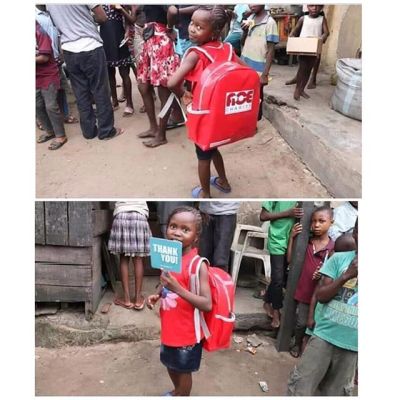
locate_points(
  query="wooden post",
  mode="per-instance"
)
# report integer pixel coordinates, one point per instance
(298, 253)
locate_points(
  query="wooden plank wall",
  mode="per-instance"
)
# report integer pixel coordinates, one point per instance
(80, 223)
(56, 222)
(40, 237)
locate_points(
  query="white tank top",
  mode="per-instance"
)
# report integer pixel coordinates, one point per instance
(312, 27)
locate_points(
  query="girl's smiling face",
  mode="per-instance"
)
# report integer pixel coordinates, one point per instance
(182, 227)
(200, 28)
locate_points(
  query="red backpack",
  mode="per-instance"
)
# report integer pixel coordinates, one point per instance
(225, 100)
(217, 324)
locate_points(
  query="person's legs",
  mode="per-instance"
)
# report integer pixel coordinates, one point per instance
(81, 88)
(313, 79)
(312, 367)
(223, 236)
(124, 269)
(127, 85)
(184, 384)
(274, 295)
(339, 379)
(300, 329)
(138, 269)
(260, 111)
(53, 111)
(175, 380)
(220, 168)
(308, 62)
(113, 86)
(145, 90)
(204, 172)
(41, 114)
(160, 136)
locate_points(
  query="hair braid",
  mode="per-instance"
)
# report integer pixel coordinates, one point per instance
(218, 17)
(192, 210)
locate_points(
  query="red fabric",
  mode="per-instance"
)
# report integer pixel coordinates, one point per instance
(177, 315)
(212, 48)
(46, 73)
(306, 285)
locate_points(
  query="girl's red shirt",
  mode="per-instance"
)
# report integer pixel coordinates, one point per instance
(177, 314)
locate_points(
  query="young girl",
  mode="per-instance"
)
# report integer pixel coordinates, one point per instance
(204, 30)
(318, 249)
(180, 352)
(312, 25)
(130, 237)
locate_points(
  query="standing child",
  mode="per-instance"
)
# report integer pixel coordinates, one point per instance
(260, 37)
(180, 352)
(204, 29)
(329, 361)
(317, 251)
(282, 215)
(312, 25)
(130, 237)
(47, 85)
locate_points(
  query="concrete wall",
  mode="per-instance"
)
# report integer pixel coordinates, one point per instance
(344, 23)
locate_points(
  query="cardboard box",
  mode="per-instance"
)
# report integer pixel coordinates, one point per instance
(310, 46)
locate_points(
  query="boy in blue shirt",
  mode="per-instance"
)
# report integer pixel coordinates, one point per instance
(330, 358)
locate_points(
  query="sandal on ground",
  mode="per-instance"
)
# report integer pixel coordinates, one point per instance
(139, 307)
(121, 99)
(196, 192)
(295, 351)
(120, 303)
(168, 393)
(214, 182)
(55, 144)
(45, 137)
(70, 119)
(172, 124)
(118, 132)
(128, 112)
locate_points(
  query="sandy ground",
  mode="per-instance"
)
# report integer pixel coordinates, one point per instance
(261, 167)
(134, 369)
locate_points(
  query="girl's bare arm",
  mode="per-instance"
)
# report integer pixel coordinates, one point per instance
(175, 82)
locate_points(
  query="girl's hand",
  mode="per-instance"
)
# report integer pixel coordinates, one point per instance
(263, 79)
(296, 212)
(310, 323)
(168, 281)
(152, 300)
(187, 98)
(316, 275)
(297, 228)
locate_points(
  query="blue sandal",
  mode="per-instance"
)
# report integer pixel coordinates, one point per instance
(214, 182)
(196, 192)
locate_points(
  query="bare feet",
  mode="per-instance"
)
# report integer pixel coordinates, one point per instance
(269, 310)
(291, 82)
(276, 319)
(296, 95)
(147, 134)
(139, 303)
(122, 303)
(155, 142)
(305, 95)
(312, 85)
(128, 112)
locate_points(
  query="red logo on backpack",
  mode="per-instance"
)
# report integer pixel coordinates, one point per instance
(217, 325)
(225, 100)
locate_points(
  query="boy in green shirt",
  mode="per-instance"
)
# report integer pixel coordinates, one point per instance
(281, 215)
(330, 357)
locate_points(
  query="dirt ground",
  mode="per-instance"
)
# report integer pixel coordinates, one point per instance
(261, 167)
(134, 369)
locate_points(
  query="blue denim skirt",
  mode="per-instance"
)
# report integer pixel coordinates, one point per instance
(182, 359)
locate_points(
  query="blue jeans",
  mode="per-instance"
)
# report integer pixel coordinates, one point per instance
(89, 80)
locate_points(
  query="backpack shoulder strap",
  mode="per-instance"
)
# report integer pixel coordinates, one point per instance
(194, 276)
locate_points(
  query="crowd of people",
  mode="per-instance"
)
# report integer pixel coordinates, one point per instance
(84, 45)
(325, 335)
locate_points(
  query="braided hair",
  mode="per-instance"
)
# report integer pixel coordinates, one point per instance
(218, 17)
(192, 210)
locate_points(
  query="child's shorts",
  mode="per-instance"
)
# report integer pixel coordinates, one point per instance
(182, 359)
(204, 154)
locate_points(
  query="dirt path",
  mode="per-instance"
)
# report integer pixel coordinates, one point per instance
(260, 167)
(134, 369)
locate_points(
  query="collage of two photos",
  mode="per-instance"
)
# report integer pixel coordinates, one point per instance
(198, 179)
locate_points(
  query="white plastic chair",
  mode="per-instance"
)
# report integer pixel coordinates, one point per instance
(253, 246)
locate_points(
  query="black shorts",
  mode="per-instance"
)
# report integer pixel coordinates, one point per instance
(205, 154)
(182, 359)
